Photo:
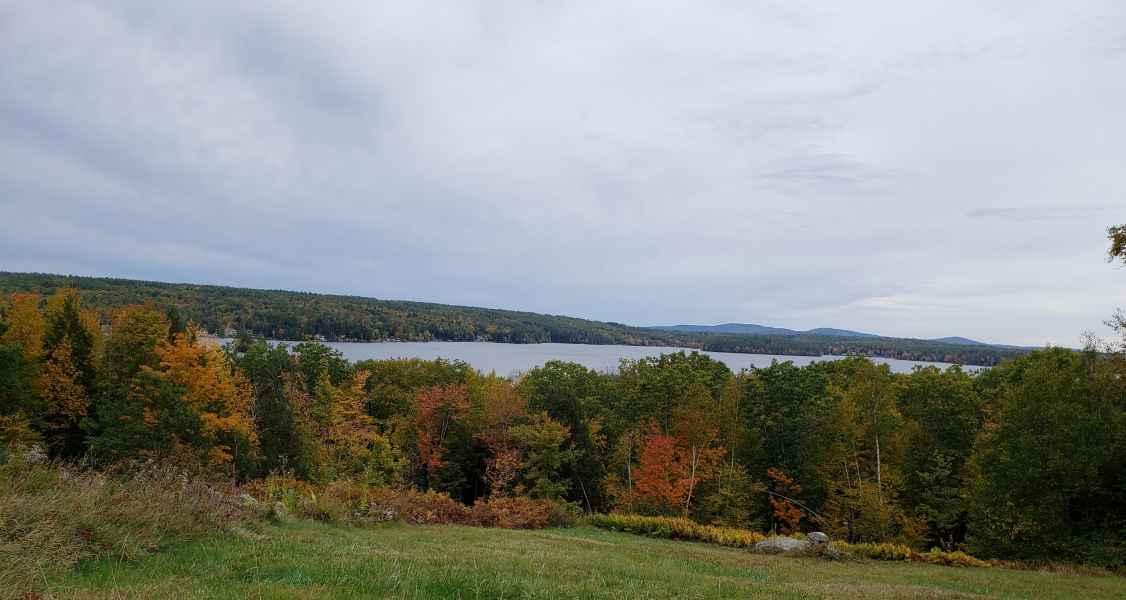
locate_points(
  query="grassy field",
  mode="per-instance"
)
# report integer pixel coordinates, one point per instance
(312, 560)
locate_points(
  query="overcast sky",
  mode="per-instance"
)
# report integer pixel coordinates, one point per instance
(878, 166)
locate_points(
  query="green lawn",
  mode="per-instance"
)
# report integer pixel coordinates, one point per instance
(311, 560)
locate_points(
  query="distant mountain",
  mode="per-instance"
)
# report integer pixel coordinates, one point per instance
(959, 340)
(736, 328)
(839, 333)
(753, 329)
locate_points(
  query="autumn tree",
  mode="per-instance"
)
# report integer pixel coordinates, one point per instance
(21, 346)
(25, 326)
(497, 406)
(784, 492)
(352, 446)
(66, 322)
(135, 334)
(69, 377)
(437, 409)
(696, 429)
(190, 405)
(657, 480)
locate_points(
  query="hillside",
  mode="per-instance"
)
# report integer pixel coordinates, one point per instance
(289, 315)
(311, 560)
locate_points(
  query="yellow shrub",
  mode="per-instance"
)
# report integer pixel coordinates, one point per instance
(676, 529)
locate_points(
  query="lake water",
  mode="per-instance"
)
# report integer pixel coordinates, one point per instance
(510, 359)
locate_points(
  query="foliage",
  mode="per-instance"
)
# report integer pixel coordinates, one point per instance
(675, 528)
(543, 441)
(787, 515)
(900, 552)
(1048, 478)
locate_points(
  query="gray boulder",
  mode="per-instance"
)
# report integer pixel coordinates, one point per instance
(818, 538)
(781, 545)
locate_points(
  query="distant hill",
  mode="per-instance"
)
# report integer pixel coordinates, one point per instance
(753, 329)
(743, 328)
(959, 340)
(288, 315)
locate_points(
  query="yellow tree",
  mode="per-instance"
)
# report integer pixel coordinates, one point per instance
(496, 406)
(222, 400)
(26, 326)
(65, 397)
(352, 441)
(21, 347)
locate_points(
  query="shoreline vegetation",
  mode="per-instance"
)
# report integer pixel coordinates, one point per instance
(302, 316)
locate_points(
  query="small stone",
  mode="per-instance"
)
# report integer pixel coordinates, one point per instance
(279, 512)
(818, 538)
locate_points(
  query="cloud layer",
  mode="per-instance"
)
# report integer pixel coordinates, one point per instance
(881, 166)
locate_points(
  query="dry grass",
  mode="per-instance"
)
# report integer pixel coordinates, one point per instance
(357, 504)
(53, 516)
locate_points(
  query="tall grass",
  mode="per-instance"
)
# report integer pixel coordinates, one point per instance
(52, 516)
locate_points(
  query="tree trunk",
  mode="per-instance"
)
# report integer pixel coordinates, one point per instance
(879, 477)
(692, 479)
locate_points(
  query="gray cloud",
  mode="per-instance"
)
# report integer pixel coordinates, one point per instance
(915, 170)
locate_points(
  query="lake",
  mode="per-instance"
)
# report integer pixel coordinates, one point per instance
(510, 359)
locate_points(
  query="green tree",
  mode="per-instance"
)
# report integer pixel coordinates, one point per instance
(944, 416)
(543, 441)
(578, 398)
(1049, 481)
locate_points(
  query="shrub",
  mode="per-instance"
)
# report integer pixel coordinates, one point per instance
(676, 528)
(52, 516)
(901, 552)
(876, 551)
(950, 559)
(346, 501)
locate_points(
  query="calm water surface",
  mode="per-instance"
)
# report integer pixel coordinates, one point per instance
(510, 359)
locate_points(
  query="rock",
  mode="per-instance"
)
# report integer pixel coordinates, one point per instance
(248, 500)
(35, 454)
(818, 538)
(781, 545)
(279, 512)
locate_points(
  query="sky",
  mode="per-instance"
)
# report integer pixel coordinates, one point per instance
(917, 169)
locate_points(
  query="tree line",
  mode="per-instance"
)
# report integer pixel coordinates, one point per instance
(1021, 461)
(300, 316)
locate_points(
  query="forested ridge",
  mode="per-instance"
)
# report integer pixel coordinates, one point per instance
(287, 315)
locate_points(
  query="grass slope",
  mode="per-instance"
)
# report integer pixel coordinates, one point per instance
(312, 560)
